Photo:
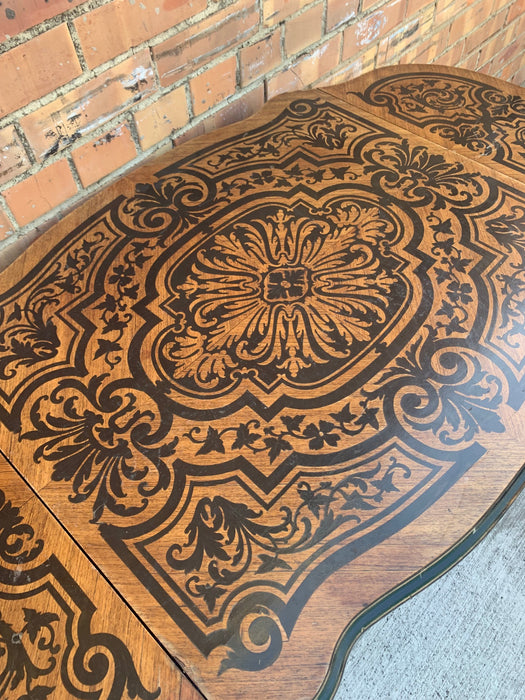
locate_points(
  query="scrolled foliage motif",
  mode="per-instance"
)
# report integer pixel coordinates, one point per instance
(43, 632)
(452, 277)
(166, 206)
(103, 450)
(28, 331)
(20, 650)
(261, 298)
(481, 118)
(17, 538)
(508, 230)
(287, 434)
(415, 174)
(442, 388)
(122, 290)
(315, 125)
(225, 539)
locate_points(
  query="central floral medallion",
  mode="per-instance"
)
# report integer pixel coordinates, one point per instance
(285, 284)
(285, 295)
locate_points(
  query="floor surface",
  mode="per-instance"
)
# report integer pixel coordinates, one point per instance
(462, 638)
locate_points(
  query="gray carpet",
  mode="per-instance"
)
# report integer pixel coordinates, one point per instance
(462, 638)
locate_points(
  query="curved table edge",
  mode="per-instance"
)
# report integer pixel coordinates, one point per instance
(413, 585)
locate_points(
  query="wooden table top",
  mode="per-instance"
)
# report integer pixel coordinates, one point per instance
(262, 390)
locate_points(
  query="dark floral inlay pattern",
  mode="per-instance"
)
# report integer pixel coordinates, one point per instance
(282, 297)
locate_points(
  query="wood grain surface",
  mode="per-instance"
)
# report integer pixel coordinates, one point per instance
(64, 632)
(268, 380)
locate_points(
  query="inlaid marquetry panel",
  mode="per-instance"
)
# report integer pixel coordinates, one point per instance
(63, 631)
(271, 377)
(475, 114)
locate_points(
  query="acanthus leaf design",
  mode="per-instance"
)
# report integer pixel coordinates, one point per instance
(415, 174)
(456, 403)
(509, 230)
(315, 125)
(484, 119)
(167, 206)
(48, 626)
(103, 450)
(17, 543)
(260, 300)
(224, 537)
(20, 664)
(29, 334)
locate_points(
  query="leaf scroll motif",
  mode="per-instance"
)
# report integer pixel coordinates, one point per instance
(415, 174)
(260, 299)
(20, 650)
(37, 643)
(28, 333)
(441, 388)
(122, 289)
(282, 438)
(509, 231)
(306, 122)
(479, 117)
(103, 450)
(17, 543)
(226, 539)
(166, 206)
(457, 294)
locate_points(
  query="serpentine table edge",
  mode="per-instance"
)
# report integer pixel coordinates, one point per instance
(331, 567)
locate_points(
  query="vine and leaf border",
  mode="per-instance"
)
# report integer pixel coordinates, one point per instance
(32, 652)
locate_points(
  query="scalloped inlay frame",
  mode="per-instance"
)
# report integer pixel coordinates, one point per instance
(271, 382)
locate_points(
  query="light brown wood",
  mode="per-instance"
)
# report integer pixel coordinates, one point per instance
(64, 632)
(269, 379)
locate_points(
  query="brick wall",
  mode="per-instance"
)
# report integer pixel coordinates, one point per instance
(89, 88)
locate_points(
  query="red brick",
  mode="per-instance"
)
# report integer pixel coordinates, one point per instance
(5, 226)
(188, 50)
(275, 11)
(41, 192)
(306, 71)
(512, 70)
(18, 15)
(448, 10)
(98, 158)
(519, 76)
(260, 58)
(303, 30)
(26, 73)
(157, 121)
(507, 54)
(453, 56)
(415, 6)
(213, 85)
(367, 4)
(477, 37)
(369, 29)
(60, 123)
(491, 48)
(466, 23)
(188, 134)
(406, 36)
(116, 27)
(517, 9)
(241, 108)
(340, 11)
(428, 51)
(518, 26)
(13, 157)
(363, 64)
(469, 63)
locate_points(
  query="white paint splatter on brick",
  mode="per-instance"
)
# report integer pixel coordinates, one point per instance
(370, 29)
